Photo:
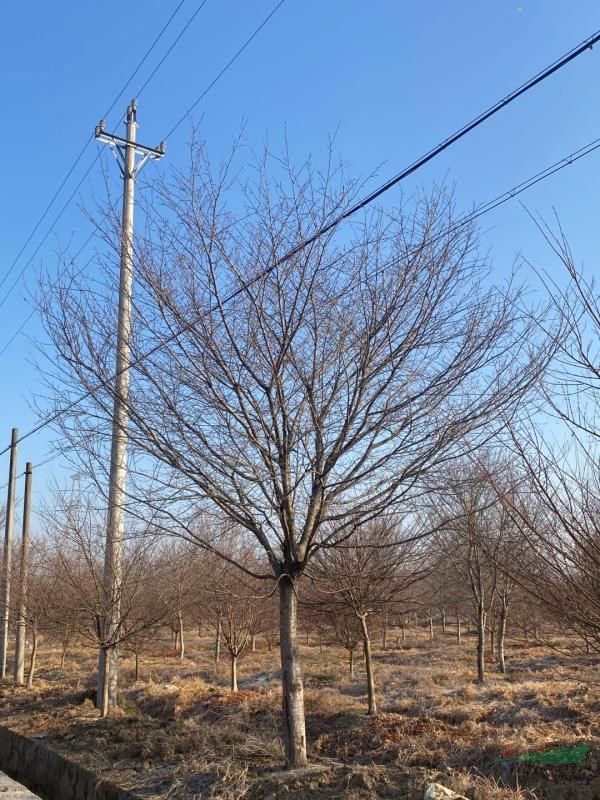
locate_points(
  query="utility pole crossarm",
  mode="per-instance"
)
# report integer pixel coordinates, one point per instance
(121, 145)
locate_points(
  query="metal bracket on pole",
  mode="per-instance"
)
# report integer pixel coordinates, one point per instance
(118, 145)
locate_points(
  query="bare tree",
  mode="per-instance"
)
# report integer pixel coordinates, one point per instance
(75, 561)
(469, 540)
(294, 397)
(368, 578)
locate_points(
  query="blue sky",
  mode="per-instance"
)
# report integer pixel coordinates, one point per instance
(393, 78)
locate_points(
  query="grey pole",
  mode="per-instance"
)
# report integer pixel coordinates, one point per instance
(19, 672)
(126, 149)
(7, 553)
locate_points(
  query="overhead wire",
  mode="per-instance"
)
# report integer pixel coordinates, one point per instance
(465, 220)
(230, 63)
(485, 115)
(206, 90)
(80, 155)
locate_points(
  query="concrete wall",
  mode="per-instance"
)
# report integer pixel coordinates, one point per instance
(50, 774)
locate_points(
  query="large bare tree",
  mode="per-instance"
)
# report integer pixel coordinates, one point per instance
(295, 398)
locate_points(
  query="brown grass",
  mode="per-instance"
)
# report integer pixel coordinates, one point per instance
(182, 734)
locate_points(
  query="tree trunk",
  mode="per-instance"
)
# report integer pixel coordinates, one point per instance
(307, 639)
(218, 642)
(253, 642)
(403, 633)
(351, 662)
(33, 657)
(481, 645)
(63, 655)
(492, 637)
(501, 637)
(104, 699)
(181, 640)
(137, 664)
(458, 632)
(234, 686)
(431, 627)
(372, 710)
(294, 728)
(101, 676)
(384, 635)
(443, 620)
(113, 675)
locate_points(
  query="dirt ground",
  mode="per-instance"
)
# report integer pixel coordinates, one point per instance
(180, 733)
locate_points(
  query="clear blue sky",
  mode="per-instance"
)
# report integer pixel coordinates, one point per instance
(394, 77)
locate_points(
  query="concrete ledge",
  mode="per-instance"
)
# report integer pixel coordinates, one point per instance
(50, 774)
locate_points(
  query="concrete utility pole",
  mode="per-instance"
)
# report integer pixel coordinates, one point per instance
(126, 151)
(7, 554)
(19, 671)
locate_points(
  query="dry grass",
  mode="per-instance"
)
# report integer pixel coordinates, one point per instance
(182, 734)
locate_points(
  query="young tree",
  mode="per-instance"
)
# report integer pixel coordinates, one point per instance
(296, 391)
(469, 540)
(368, 576)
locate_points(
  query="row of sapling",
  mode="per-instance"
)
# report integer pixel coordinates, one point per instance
(296, 398)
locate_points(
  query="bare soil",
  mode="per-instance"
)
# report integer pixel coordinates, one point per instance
(180, 733)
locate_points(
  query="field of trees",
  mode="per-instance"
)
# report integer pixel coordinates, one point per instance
(359, 548)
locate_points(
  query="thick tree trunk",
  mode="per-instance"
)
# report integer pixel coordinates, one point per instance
(481, 645)
(32, 661)
(372, 700)
(101, 676)
(294, 728)
(501, 637)
(105, 698)
(234, 686)
(113, 675)
(181, 639)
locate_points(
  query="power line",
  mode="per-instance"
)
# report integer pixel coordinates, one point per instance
(587, 44)
(30, 315)
(465, 220)
(49, 231)
(84, 148)
(167, 54)
(531, 83)
(173, 129)
(17, 332)
(231, 61)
